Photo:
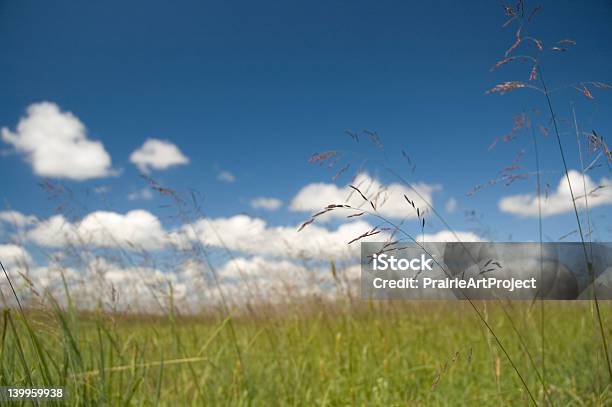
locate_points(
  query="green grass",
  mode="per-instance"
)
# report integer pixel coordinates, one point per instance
(396, 353)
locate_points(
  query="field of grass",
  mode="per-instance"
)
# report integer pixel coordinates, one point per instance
(343, 354)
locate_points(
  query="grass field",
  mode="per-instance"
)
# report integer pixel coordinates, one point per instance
(343, 354)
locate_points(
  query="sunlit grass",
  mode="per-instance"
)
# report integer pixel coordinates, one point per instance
(367, 354)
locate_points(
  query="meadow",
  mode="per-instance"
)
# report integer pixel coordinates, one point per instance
(347, 353)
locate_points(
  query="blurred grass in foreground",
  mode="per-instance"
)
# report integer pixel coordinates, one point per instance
(392, 353)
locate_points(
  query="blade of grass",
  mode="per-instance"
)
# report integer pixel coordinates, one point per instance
(586, 257)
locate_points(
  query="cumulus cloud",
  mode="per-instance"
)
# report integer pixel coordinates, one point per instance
(254, 236)
(560, 200)
(55, 231)
(158, 155)
(226, 176)
(13, 255)
(107, 283)
(56, 145)
(17, 218)
(146, 288)
(277, 261)
(270, 204)
(239, 233)
(273, 279)
(141, 278)
(135, 229)
(389, 199)
(448, 236)
(258, 267)
(144, 194)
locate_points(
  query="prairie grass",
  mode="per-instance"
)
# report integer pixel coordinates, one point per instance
(314, 353)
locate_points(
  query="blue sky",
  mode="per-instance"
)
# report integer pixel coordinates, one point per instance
(255, 88)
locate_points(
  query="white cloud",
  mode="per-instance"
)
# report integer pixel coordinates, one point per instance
(270, 204)
(451, 205)
(389, 199)
(272, 280)
(108, 229)
(560, 200)
(273, 264)
(132, 276)
(144, 194)
(226, 176)
(55, 231)
(240, 233)
(56, 145)
(259, 268)
(135, 229)
(12, 255)
(17, 218)
(157, 154)
(253, 236)
(448, 236)
(110, 284)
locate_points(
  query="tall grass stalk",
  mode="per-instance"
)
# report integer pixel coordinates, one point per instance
(540, 240)
(588, 262)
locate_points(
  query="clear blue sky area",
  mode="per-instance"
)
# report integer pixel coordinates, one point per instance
(255, 88)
